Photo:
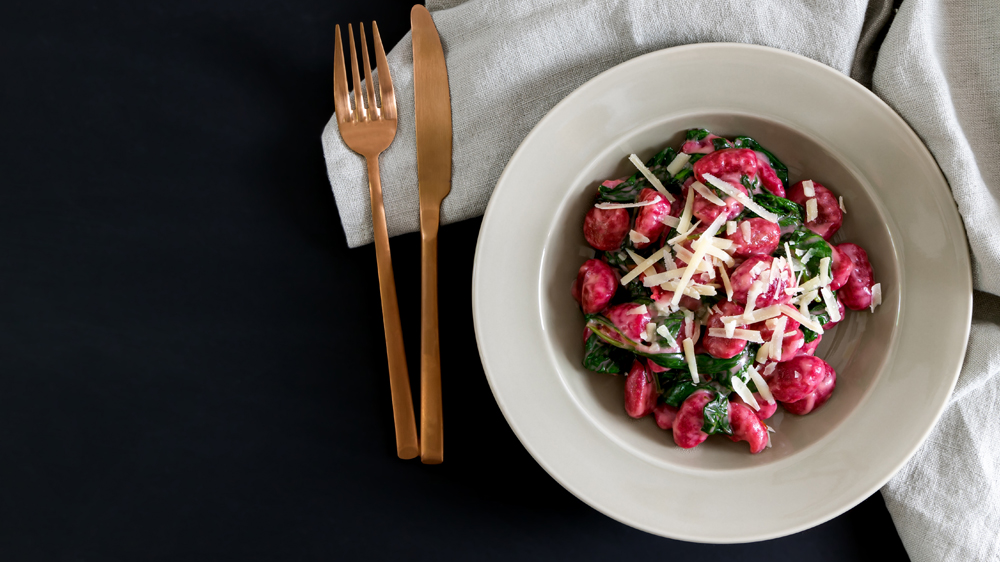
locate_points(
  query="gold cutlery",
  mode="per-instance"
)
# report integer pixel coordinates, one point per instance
(432, 104)
(369, 132)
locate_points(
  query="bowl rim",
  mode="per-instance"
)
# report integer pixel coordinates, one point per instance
(487, 227)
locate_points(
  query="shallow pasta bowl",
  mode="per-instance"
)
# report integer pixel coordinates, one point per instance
(891, 385)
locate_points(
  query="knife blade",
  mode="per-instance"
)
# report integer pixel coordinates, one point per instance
(432, 107)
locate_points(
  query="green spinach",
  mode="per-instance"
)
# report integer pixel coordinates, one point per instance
(804, 240)
(601, 357)
(780, 169)
(789, 212)
(822, 317)
(628, 190)
(696, 134)
(717, 416)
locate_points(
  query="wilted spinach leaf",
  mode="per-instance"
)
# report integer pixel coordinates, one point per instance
(822, 317)
(721, 143)
(697, 134)
(628, 190)
(678, 393)
(682, 176)
(780, 169)
(789, 212)
(805, 240)
(706, 363)
(618, 259)
(673, 323)
(717, 416)
(602, 357)
(625, 192)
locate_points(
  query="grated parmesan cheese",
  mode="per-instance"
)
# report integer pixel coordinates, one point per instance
(638, 260)
(730, 228)
(678, 163)
(805, 300)
(729, 328)
(763, 352)
(831, 304)
(738, 334)
(670, 221)
(756, 316)
(726, 283)
(685, 256)
(876, 295)
(665, 333)
(707, 194)
(762, 388)
(755, 290)
(641, 309)
(605, 205)
(700, 247)
(660, 278)
(843, 209)
(692, 290)
(824, 271)
(745, 231)
(714, 251)
(741, 388)
(777, 339)
(685, 221)
(808, 188)
(652, 179)
(637, 237)
(692, 364)
(739, 196)
(681, 235)
(806, 321)
(722, 243)
(668, 260)
(812, 209)
(641, 267)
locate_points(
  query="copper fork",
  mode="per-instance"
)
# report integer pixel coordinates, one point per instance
(369, 131)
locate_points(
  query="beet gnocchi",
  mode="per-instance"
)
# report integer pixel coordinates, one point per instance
(711, 288)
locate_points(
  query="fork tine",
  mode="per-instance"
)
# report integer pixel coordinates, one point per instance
(341, 99)
(369, 85)
(384, 78)
(359, 103)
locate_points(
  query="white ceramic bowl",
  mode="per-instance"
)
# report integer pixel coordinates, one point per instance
(895, 368)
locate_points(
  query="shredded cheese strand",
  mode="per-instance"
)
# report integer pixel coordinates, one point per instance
(741, 388)
(739, 196)
(700, 247)
(641, 267)
(652, 179)
(762, 388)
(678, 163)
(685, 220)
(738, 334)
(692, 363)
(707, 194)
(606, 205)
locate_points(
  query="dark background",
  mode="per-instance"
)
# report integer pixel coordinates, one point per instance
(191, 361)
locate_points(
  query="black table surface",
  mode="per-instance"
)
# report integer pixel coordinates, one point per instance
(192, 363)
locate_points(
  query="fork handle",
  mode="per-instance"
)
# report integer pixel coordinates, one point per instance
(407, 445)
(431, 419)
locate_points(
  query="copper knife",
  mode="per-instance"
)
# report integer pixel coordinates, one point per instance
(432, 103)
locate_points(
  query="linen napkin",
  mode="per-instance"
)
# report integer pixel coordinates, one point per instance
(938, 66)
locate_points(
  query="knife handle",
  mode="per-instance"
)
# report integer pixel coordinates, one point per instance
(407, 445)
(431, 422)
